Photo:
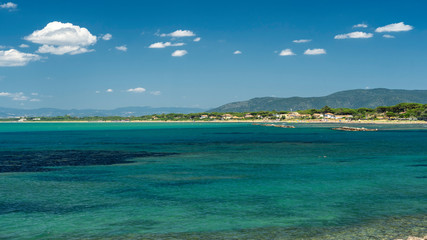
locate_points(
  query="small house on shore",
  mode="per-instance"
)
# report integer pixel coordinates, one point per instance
(343, 116)
(317, 115)
(227, 116)
(329, 115)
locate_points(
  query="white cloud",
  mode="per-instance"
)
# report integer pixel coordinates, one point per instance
(165, 44)
(122, 48)
(315, 51)
(179, 33)
(301, 40)
(360, 25)
(388, 36)
(61, 50)
(61, 38)
(286, 52)
(179, 53)
(19, 96)
(35, 100)
(136, 90)
(395, 27)
(13, 58)
(197, 39)
(97, 91)
(109, 90)
(354, 35)
(107, 37)
(34, 94)
(155, 93)
(9, 5)
(237, 52)
(24, 46)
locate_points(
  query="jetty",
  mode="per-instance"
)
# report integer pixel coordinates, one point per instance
(355, 129)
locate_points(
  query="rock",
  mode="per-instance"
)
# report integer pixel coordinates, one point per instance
(355, 129)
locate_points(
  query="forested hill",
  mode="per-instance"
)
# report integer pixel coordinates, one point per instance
(369, 98)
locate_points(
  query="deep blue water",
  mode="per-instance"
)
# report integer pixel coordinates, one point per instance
(206, 180)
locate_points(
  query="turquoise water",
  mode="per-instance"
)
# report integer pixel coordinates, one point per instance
(210, 180)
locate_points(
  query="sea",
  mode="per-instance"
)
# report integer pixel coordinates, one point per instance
(211, 181)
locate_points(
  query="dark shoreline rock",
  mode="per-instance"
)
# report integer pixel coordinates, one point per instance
(355, 129)
(274, 125)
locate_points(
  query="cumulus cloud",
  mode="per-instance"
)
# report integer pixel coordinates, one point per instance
(360, 25)
(395, 27)
(9, 5)
(388, 36)
(354, 35)
(237, 52)
(109, 90)
(286, 52)
(35, 100)
(14, 58)
(122, 48)
(155, 93)
(315, 51)
(165, 44)
(24, 46)
(62, 38)
(302, 41)
(107, 37)
(197, 39)
(179, 53)
(136, 90)
(179, 33)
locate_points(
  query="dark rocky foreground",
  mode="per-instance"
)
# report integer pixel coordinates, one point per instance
(40, 161)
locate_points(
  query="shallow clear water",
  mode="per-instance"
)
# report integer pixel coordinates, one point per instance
(206, 180)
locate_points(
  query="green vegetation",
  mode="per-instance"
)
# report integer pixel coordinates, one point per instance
(402, 111)
(353, 99)
(408, 111)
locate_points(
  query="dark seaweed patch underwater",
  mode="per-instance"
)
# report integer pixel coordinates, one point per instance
(38, 161)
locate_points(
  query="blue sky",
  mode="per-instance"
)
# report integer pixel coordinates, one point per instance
(67, 54)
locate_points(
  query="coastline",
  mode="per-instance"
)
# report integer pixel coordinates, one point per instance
(242, 121)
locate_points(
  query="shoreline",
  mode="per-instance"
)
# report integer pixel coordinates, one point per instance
(242, 121)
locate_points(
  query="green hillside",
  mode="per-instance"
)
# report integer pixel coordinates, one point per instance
(367, 98)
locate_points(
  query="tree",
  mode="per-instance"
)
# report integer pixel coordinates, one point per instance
(390, 114)
(326, 109)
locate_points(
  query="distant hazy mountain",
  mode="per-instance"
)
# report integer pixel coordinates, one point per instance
(124, 112)
(370, 98)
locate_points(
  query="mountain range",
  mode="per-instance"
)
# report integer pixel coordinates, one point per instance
(368, 98)
(123, 112)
